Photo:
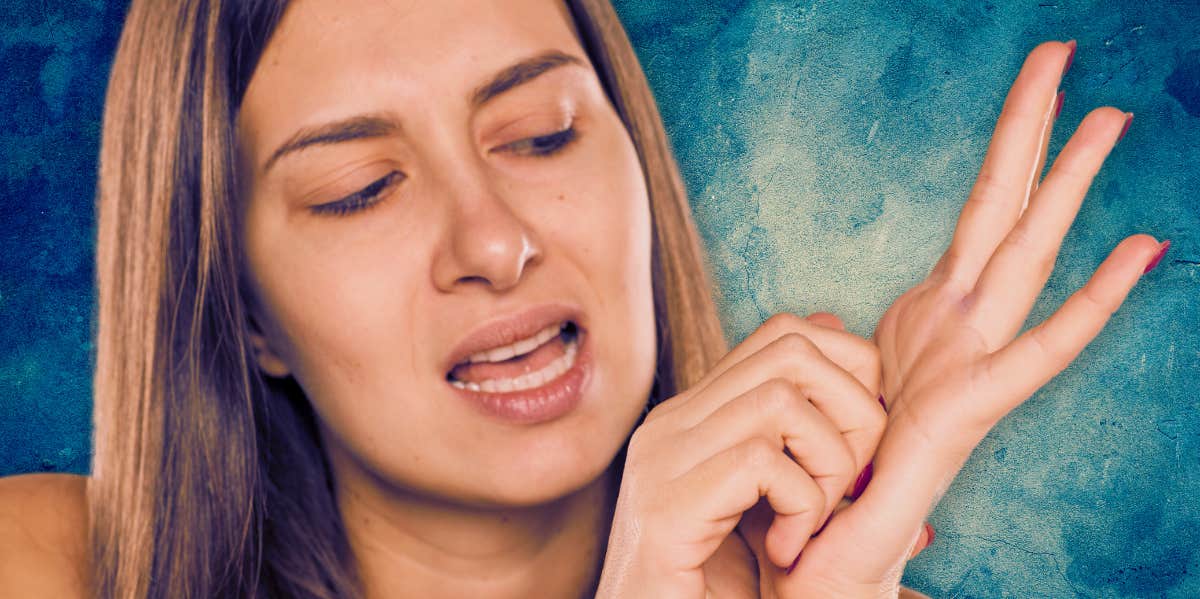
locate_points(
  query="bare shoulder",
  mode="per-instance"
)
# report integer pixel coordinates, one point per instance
(43, 535)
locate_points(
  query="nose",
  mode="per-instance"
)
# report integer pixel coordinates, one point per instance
(486, 241)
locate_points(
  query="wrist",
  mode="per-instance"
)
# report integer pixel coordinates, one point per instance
(855, 591)
(627, 575)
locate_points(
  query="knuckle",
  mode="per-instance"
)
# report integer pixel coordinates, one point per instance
(1044, 344)
(658, 411)
(872, 357)
(950, 263)
(1098, 304)
(776, 396)
(1020, 238)
(1075, 170)
(952, 294)
(639, 443)
(990, 187)
(757, 453)
(782, 323)
(1018, 109)
(796, 344)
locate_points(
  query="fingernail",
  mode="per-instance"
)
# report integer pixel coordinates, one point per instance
(1070, 57)
(1128, 120)
(794, 562)
(883, 403)
(1161, 252)
(864, 477)
(929, 533)
(1058, 103)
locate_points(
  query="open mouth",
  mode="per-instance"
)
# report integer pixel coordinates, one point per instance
(529, 363)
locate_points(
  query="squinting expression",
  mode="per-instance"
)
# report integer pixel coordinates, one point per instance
(394, 201)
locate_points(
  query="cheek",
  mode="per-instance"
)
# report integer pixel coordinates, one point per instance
(338, 308)
(613, 215)
(606, 204)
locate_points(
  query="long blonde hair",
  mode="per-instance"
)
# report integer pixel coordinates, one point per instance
(207, 478)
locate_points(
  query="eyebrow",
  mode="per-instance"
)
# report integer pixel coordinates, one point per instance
(374, 125)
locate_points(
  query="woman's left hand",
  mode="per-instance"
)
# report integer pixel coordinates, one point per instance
(951, 368)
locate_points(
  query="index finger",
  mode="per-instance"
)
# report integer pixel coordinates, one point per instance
(858, 356)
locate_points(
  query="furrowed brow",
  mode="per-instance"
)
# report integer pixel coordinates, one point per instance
(521, 72)
(363, 126)
(368, 126)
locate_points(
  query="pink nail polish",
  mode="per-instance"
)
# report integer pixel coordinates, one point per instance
(794, 562)
(1070, 57)
(929, 531)
(1128, 120)
(864, 477)
(1161, 252)
(1058, 101)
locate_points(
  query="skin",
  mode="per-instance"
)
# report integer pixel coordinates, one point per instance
(945, 357)
(952, 363)
(949, 368)
(436, 495)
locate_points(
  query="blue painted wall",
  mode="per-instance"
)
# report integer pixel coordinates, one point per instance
(828, 147)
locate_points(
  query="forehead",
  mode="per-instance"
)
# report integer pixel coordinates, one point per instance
(331, 58)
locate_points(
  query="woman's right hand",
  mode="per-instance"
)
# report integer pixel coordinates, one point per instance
(704, 457)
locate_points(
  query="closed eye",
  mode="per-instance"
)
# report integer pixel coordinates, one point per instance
(545, 145)
(362, 199)
(369, 196)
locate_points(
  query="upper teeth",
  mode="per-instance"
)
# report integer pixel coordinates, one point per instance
(523, 346)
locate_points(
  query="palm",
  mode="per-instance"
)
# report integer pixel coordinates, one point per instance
(951, 366)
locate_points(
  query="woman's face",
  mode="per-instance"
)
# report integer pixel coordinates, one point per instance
(474, 203)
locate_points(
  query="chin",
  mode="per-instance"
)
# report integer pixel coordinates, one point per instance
(547, 469)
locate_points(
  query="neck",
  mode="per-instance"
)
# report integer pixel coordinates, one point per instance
(407, 544)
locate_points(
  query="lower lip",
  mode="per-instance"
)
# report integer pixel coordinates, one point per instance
(540, 404)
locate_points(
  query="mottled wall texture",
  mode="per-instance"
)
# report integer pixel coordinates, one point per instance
(828, 147)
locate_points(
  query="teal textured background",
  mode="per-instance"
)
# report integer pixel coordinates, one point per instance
(828, 147)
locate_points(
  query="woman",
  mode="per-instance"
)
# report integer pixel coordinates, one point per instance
(289, 196)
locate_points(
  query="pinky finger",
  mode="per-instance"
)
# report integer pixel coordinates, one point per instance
(1020, 368)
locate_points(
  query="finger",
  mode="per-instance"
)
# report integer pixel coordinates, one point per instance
(1008, 167)
(853, 410)
(853, 353)
(1022, 367)
(826, 319)
(1045, 149)
(722, 487)
(925, 540)
(1014, 277)
(777, 410)
(912, 469)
